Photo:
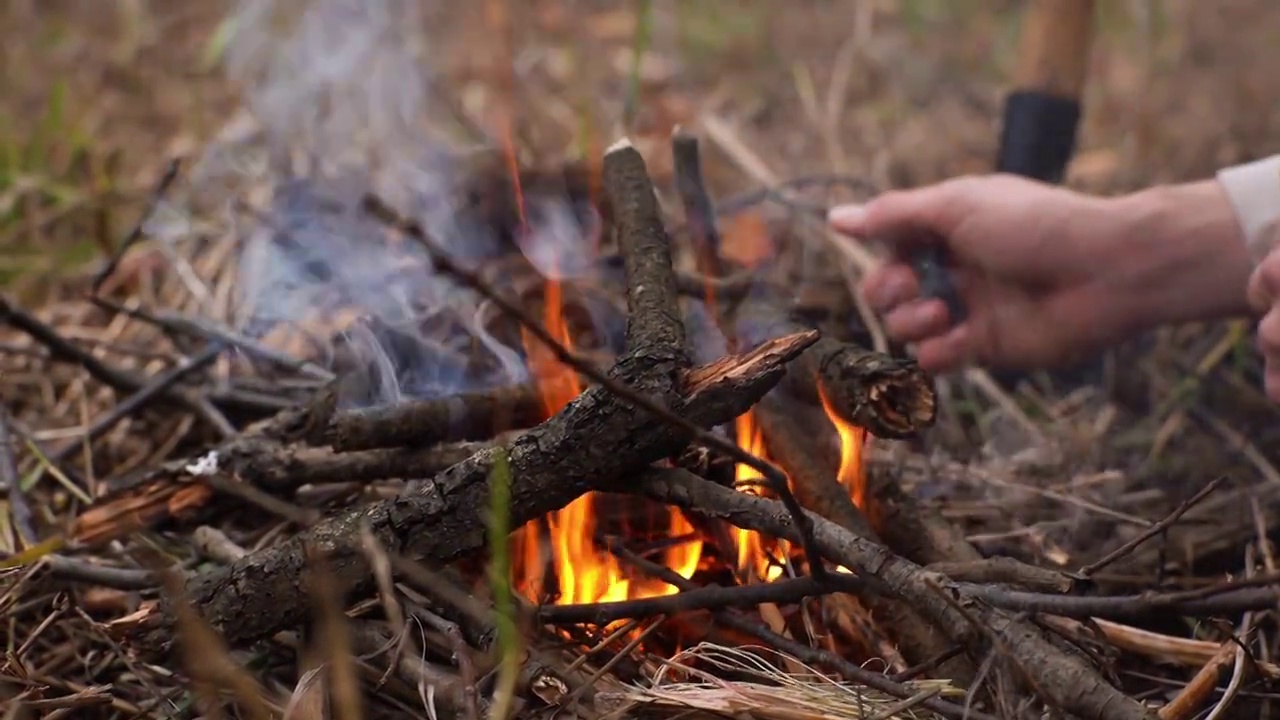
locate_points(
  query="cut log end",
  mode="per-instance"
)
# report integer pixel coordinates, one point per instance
(893, 399)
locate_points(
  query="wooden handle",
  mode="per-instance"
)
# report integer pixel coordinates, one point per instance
(1056, 38)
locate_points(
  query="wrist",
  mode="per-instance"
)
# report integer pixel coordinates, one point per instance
(1177, 254)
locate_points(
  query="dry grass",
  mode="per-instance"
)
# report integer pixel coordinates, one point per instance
(107, 93)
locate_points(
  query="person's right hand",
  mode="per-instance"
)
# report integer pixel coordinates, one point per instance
(1027, 263)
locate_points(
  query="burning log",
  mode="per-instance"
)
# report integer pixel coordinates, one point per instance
(816, 484)
(598, 437)
(819, 489)
(890, 397)
(1061, 679)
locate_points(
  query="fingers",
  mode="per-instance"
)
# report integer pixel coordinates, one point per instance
(1264, 284)
(1264, 297)
(917, 321)
(905, 216)
(947, 352)
(1269, 345)
(849, 219)
(890, 286)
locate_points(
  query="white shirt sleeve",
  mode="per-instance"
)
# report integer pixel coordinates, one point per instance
(1254, 192)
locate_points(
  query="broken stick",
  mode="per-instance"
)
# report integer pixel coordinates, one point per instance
(597, 435)
(893, 398)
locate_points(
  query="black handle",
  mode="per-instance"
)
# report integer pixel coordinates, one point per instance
(932, 264)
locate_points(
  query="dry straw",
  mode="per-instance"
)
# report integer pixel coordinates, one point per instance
(694, 680)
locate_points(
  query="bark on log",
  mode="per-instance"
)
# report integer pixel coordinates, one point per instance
(468, 416)
(281, 469)
(1065, 681)
(596, 437)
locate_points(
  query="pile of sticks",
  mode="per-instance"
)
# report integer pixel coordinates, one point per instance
(947, 610)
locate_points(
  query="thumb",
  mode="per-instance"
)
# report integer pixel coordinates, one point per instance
(905, 217)
(934, 208)
(849, 219)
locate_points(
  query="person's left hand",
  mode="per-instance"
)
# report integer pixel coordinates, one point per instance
(1264, 298)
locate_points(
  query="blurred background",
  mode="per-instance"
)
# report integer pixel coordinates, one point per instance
(98, 96)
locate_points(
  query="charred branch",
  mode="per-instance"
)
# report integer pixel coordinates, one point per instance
(282, 468)
(890, 397)
(916, 532)
(812, 475)
(655, 322)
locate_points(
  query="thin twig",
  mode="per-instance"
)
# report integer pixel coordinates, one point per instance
(1154, 530)
(129, 579)
(11, 484)
(711, 597)
(1233, 597)
(135, 234)
(158, 386)
(207, 329)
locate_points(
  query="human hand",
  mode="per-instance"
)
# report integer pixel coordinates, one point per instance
(1264, 298)
(1026, 261)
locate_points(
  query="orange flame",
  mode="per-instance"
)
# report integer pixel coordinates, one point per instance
(852, 473)
(754, 552)
(585, 572)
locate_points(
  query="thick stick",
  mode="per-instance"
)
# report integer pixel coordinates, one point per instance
(469, 416)
(655, 323)
(814, 480)
(280, 469)
(1067, 681)
(890, 397)
(598, 435)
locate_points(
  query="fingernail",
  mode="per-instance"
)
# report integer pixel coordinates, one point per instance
(846, 215)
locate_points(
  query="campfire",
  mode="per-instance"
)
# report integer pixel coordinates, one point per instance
(537, 436)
